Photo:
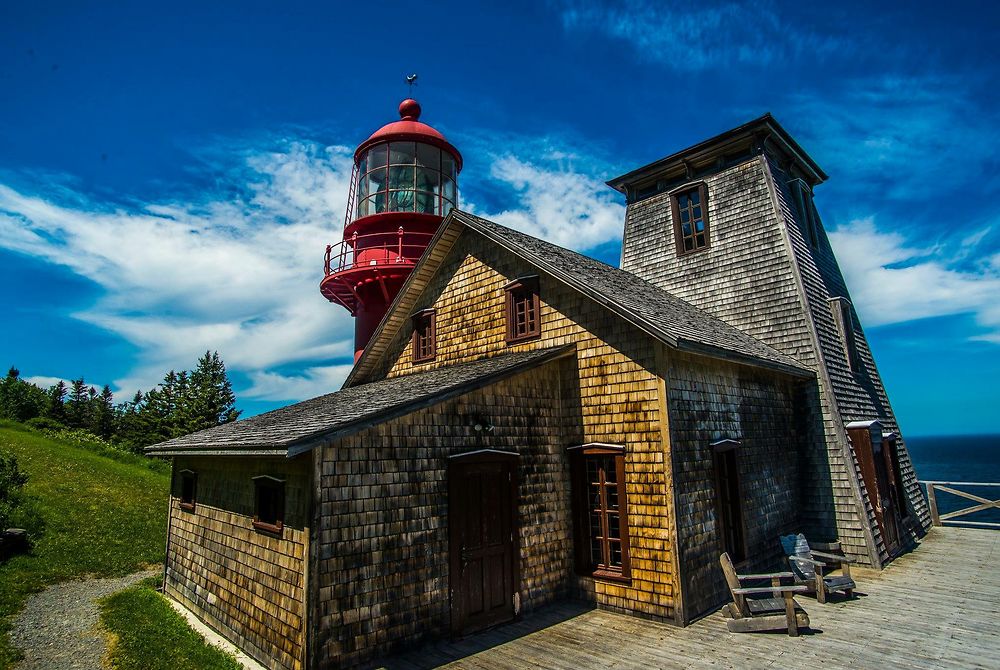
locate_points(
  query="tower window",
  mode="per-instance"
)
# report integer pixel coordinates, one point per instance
(424, 336)
(602, 542)
(523, 322)
(269, 504)
(689, 208)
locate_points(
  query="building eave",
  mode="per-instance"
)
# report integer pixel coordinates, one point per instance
(762, 127)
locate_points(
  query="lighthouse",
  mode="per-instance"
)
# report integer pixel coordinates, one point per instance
(404, 182)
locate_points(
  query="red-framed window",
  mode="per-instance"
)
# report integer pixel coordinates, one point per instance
(424, 336)
(601, 511)
(523, 318)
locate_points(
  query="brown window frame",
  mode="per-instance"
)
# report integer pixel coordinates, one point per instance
(675, 213)
(584, 538)
(265, 483)
(188, 502)
(424, 336)
(523, 291)
(729, 499)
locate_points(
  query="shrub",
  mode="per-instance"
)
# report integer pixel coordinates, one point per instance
(42, 423)
(12, 480)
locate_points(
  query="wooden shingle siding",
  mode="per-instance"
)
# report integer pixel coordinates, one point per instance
(708, 403)
(762, 276)
(859, 395)
(382, 573)
(608, 392)
(610, 396)
(246, 584)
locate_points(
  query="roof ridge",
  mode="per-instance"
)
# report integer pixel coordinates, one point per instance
(479, 222)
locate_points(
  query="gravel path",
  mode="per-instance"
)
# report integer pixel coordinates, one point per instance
(58, 628)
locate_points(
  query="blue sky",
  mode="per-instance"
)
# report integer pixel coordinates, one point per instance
(170, 173)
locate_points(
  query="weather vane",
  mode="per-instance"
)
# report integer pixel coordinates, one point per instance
(411, 81)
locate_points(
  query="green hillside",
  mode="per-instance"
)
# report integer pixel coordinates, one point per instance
(88, 514)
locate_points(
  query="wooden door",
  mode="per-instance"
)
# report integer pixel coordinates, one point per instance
(871, 459)
(483, 539)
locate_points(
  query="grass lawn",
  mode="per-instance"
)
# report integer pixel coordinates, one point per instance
(147, 634)
(88, 515)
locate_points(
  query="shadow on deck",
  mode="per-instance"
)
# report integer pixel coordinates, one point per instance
(936, 607)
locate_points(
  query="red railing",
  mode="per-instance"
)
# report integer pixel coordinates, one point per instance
(375, 249)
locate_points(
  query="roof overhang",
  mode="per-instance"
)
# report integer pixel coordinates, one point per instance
(756, 133)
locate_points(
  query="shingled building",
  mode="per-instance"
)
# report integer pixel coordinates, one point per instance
(528, 424)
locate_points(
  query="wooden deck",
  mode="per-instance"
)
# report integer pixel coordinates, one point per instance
(936, 607)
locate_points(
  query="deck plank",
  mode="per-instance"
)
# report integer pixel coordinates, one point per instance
(937, 607)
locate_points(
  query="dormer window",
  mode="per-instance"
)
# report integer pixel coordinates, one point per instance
(802, 195)
(843, 316)
(689, 209)
(424, 336)
(523, 321)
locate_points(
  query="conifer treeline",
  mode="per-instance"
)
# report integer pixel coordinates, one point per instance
(183, 403)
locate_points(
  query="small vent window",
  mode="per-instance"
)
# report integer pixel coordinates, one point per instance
(689, 209)
(523, 320)
(424, 336)
(189, 490)
(269, 504)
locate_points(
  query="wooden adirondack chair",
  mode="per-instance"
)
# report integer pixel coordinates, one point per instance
(757, 609)
(812, 568)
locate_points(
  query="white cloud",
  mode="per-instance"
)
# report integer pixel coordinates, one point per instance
(560, 205)
(238, 275)
(899, 138)
(273, 385)
(696, 36)
(237, 267)
(893, 280)
(46, 382)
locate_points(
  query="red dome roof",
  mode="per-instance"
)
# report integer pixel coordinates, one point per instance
(409, 128)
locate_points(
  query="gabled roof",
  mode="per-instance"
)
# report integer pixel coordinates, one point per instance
(649, 308)
(297, 428)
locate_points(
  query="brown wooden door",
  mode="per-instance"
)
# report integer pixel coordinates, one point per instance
(483, 542)
(875, 475)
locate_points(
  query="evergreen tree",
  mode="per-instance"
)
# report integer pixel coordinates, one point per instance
(103, 418)
(129, 426)
(78, 408)
(211, 401)
(20, 400)
(55, 405)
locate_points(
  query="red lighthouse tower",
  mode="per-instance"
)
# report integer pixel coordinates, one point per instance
(403, 185)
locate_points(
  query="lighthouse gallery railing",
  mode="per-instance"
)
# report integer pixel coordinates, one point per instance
(376, 249)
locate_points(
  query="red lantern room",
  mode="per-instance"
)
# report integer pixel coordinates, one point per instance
(403, 185)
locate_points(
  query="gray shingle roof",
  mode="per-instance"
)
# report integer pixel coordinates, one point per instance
(297, 428)
(663, 315)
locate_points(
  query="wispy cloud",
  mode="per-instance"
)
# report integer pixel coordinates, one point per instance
(236, 266)
(894, 280)
(697, 36)
(900, 138)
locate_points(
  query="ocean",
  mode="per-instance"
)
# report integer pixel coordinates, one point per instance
(959, 458)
